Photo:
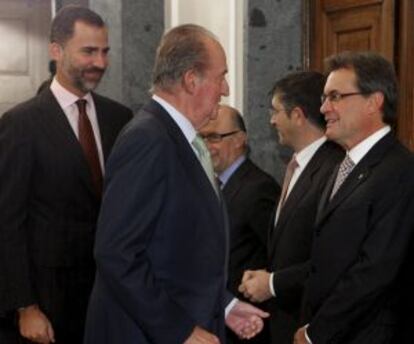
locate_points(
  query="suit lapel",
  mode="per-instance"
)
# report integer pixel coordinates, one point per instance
(233, 185)
(356, 178)
(323, 202)
(298, 192)
(104, 122)
(192, 166)
(57, 127)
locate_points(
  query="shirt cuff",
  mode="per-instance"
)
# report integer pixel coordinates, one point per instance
(230, 306)
(306, 334)
(271, 288)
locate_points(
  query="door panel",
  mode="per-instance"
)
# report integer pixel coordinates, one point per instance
(340, 25)
(24, 29)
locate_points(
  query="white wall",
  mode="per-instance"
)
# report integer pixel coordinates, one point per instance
(24, 27)
(225, 19)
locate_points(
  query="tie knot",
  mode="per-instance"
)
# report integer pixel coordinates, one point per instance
(345, 169)
(347, 163)
(81, 103)
(293, 163)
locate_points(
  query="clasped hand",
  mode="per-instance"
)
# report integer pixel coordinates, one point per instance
(255, 285)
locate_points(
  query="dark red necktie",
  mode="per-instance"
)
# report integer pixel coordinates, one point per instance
(88, 143)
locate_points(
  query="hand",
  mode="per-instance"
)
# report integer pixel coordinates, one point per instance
(35, 326)
(300, 337)
(245, 320)
(201, 336)
(255, 285)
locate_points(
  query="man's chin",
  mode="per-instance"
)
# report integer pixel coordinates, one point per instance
(330, 134)
(90, 85)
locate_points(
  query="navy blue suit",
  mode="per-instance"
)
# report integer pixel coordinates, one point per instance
(161, 243)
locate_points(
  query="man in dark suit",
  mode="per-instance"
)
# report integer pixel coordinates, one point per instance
(365, 217)
(250, 196)
(161, 243)
(52, 156)
(300, 125)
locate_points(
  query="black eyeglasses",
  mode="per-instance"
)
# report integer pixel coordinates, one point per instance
(335, 97)
(216, 137)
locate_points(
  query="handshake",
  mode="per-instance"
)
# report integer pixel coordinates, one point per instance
(244, 319)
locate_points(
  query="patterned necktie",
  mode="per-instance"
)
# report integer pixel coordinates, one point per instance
(345, 169)
(290, 169)
(88, 143)
(205, 160)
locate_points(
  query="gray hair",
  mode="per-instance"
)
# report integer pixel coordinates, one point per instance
(181, 49)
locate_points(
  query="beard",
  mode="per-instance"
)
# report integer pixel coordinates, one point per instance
(86, 83)
(85, 79)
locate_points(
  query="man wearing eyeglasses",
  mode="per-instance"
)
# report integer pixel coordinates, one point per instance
(250, 196)
(365, 218)
(300, 125)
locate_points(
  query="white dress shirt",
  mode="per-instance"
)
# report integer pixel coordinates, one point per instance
(302, 158)
(67, 102)
(361, 149)
(183, 122)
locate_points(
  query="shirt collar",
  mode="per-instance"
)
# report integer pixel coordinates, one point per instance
(361, 149)
(182, 121)
(305, 155)
(64, 97)
(224, 176)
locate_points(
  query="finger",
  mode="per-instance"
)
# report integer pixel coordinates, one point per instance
(214, 339)
(260, 313)
(51, 333)
(41, 338)
(209, 338)
(248, 274)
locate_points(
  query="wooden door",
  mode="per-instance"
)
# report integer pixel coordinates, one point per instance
(405, 70)
(340, 25)
(384, 26)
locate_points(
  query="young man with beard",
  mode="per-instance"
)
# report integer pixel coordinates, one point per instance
(52, 156)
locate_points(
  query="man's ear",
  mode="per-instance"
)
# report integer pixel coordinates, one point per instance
(190, 81)
(297, 115)
(55, 51)
(241, 139)
(375, 102)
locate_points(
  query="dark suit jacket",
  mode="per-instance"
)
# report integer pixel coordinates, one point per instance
(250, 195)
(291, 239)
(360, 242)
(161, 241)
(49, 210)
